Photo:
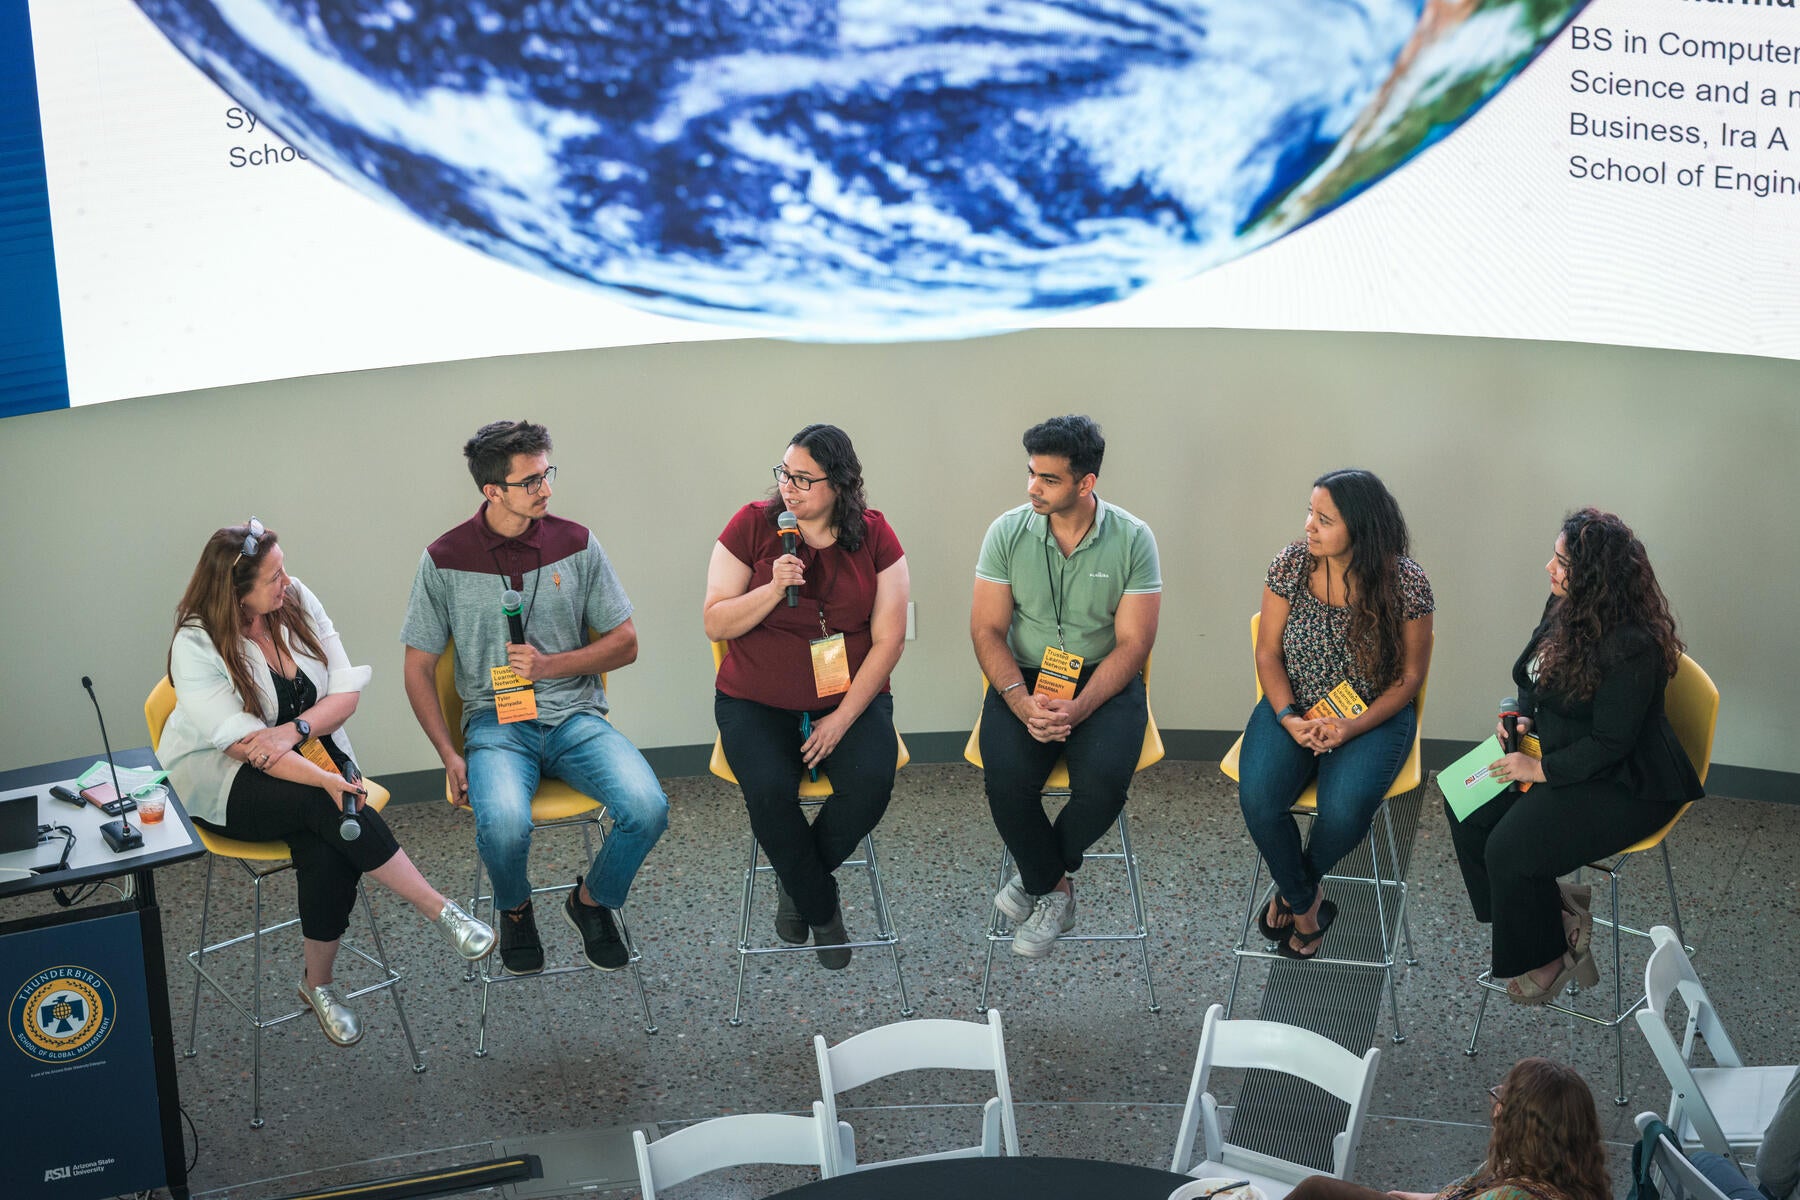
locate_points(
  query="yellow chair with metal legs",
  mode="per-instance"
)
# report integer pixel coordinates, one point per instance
(555, 805)
(999, 929)
(1691, 702)
(813, 794)
(260, 861)
(1389, 930)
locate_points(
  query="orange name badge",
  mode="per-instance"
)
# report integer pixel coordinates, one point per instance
(1342, 701)
(514, 697)
(1531, 747)
(831, 665)
(1057, 674)
(314, 753)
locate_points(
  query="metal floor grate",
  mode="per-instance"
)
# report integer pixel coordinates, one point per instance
(1277, 1113)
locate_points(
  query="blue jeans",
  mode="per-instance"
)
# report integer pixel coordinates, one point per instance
(1274, 770)
(588, 754)
(1724, 1174)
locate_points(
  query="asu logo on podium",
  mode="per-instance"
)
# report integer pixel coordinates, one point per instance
(61, 1014)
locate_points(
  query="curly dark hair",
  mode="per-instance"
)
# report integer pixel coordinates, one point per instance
(1546, 1133)
(1611, 587)
(831, 449)
(1378, 540)
(490, 452)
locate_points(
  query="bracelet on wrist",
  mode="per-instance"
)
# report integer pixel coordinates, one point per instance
(1017, 683)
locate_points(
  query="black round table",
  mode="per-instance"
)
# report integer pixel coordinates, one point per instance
(995, 1179)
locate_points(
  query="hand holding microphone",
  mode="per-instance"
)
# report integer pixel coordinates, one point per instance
(789, 526)
(1509, 724)
(351, 827)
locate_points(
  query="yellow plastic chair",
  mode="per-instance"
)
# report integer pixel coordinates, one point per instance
(260, 861)
(1691, 702)
(813, 794)
(1410, 776)
(999, 929)
(555, 805)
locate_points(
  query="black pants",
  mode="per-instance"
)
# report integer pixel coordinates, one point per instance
(1513, 847)
(762, 744)
(1102, 753)
(262, 808)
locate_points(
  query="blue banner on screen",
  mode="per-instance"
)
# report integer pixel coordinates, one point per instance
(255, 189)
(77, 1070)
(31, 347)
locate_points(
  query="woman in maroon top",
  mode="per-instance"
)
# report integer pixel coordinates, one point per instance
(822, 659)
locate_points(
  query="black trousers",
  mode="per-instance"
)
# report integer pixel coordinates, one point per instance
(1102, 753)
(762, 744)
(1513, 847)
(262, 808)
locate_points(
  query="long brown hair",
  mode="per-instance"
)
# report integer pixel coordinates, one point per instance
(1546, 1132)
(1611, 587)
(1378, 540)
(220, 581)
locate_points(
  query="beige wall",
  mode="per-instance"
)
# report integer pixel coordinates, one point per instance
(1214, 438)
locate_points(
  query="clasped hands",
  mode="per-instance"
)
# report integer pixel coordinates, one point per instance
(1048, 719)
(1321, 736)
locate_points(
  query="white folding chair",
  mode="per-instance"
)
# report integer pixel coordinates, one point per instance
(1269, 1046)
(1722, 1108)
(731, 1142)
(934, 1044)
(1676, 1177)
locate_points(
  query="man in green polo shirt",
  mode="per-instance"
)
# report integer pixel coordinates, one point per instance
(1067, 594)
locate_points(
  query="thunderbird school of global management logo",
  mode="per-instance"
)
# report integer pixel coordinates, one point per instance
(61, 1014)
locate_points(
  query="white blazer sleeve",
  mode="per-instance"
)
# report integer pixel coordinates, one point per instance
(340, 675)
(204, 690)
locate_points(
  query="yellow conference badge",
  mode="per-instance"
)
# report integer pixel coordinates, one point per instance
(1341, 702)
(831, 665)
(1057, 674)
(514, 697)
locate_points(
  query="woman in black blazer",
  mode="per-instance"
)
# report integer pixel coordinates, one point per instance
(1590, 685)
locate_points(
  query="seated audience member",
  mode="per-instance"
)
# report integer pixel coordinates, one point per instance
(1590, 682)
(1545, 1145)
(805, 687)
(256, 748)
(1344, 605)
(1065, 577)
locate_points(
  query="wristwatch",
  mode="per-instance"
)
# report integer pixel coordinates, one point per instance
(301, 724)
(1290, 711)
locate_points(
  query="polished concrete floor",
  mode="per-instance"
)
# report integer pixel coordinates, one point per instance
(1094, 1074)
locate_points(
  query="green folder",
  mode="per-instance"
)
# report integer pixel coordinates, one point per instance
(1466, 783)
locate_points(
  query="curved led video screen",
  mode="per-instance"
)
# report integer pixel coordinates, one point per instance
(237, 190)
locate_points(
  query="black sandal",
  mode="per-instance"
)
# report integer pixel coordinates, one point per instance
(1275, 933)
(1327, 914)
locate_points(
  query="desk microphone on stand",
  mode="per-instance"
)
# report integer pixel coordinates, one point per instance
(118, 834)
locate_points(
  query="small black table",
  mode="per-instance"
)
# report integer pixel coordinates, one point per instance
(995, 1179)
(92, 1055)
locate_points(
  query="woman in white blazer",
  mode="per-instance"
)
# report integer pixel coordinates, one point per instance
(256, 749)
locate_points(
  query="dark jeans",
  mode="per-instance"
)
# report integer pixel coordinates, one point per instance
(1724, 1174)
(1352, 779)
(1512, 848)
(262, 808)
(1102, 753)
(762, 744)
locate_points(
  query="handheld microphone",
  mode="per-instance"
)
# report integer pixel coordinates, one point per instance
(789, 525)
(118, 834)
(512, 603)
(351, 827)
(1509, 723)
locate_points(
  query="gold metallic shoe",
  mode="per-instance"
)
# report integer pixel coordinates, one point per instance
(471, 938)
(336, 1017)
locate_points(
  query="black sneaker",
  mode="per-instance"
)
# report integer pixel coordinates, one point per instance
(520, 951)
(600, 939)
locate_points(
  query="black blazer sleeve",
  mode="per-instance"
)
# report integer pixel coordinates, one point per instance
(1621, 735)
